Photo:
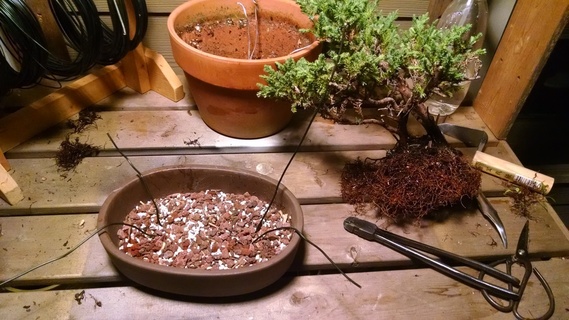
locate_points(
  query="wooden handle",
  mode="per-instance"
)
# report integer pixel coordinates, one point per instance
(512, 172)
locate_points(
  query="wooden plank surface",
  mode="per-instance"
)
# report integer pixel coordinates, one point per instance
(403, 294)
(58, 106)
(406, 8)
(313, 177)
(167, 128)
(59, 211)
(466, 233)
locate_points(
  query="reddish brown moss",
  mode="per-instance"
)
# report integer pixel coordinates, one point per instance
(410, 183)
(71, 153)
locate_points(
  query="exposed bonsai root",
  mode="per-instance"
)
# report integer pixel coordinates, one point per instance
(411, 182)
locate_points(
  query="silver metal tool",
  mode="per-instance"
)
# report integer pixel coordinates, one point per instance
(521, 258)
(491, 291)
(477, 138)
(416, 250)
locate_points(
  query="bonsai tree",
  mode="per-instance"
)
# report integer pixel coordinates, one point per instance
(371, 64)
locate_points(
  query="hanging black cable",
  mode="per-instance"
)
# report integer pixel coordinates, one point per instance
(25, 59)
(116, 40)
(22, 39)
(141, 22)
(81, 27)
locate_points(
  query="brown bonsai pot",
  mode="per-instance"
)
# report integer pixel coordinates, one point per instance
(194, 282)
(225, 89)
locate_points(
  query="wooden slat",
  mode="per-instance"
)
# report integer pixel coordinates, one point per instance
(4, 162)
(466, 233)
(313, 177)
(170, 130)
(9, 189)
(406, 8)
(403, 294)
(25, 123)
(163, 79)
(153, 111)
(524, 48)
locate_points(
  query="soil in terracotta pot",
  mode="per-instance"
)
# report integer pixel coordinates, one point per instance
(228, 37)
(209, 230)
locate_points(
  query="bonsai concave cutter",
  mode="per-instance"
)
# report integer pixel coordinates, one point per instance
(477, 138)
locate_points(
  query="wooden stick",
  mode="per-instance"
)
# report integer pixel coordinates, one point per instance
(55, 42)
(3, 161)
(135, 70)
(9, 189)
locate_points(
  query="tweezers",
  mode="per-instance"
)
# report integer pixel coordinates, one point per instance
(412, 249)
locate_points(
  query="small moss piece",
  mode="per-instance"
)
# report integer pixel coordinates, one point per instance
(72, 152)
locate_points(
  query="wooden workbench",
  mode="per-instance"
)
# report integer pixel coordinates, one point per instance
(59, 210)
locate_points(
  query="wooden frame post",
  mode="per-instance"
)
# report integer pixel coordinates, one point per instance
(530, 35)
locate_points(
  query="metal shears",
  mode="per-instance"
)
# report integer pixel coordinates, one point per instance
(491, 292)
(521, 258)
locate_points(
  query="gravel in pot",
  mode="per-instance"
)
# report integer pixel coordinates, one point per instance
(233, 267)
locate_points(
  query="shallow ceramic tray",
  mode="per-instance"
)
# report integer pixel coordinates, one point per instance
(205, 283)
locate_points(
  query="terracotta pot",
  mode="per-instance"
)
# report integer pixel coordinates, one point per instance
(225, 89)
(205, 283)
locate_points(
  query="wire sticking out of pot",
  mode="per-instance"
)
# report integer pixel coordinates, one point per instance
(297, 149)
(312, 244)
(3, 283)
(139, 175)
(251, 52)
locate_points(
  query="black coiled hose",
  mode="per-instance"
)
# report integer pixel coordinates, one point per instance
(25, 59)
(117, 41)
(81, 27)
(22, 58)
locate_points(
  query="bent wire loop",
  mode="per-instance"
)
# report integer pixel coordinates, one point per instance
(414, 250)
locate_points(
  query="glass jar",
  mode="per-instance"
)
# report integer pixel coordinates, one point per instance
(460, 13)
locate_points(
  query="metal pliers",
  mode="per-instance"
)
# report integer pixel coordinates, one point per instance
(417, 251)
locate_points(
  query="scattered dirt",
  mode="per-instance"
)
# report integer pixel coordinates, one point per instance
(79, 297)
(98, 302)
(193, 142)
(86, 119)
(204, 230)
(72, 152)
(229, 37)
(523, 199)
(411, 183)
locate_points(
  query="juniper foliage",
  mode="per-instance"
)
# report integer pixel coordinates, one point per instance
(369, 61)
